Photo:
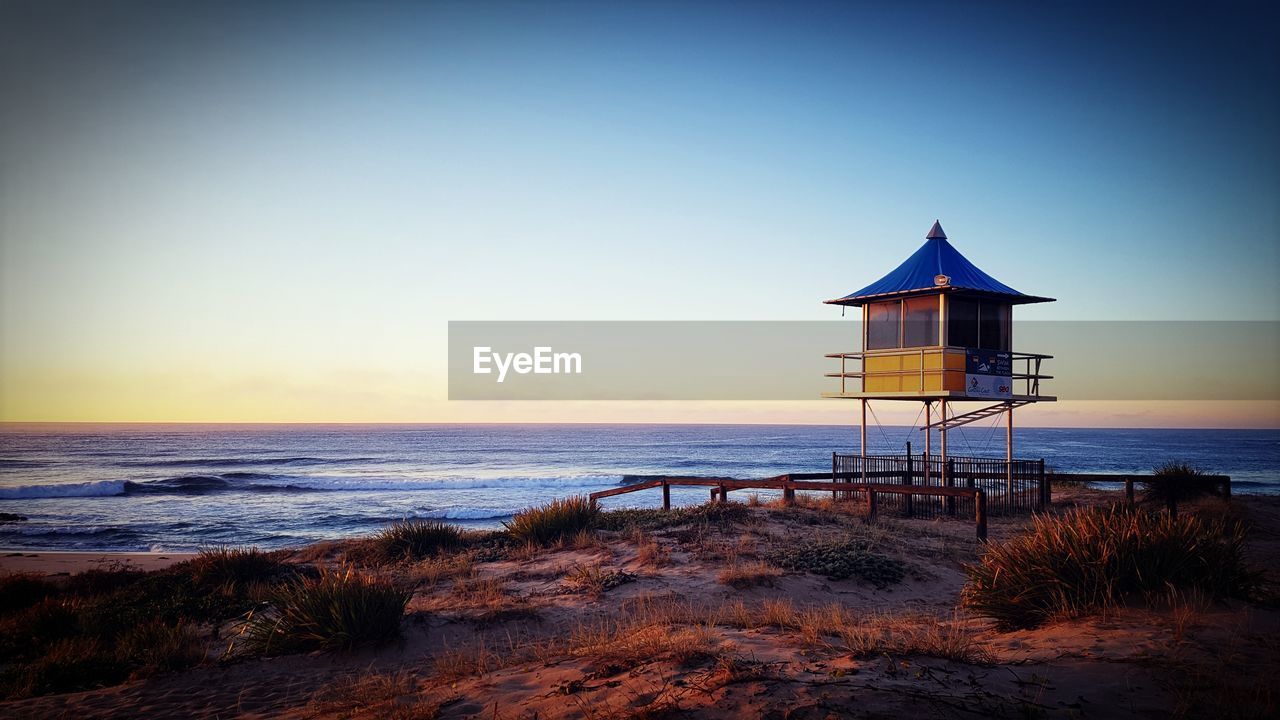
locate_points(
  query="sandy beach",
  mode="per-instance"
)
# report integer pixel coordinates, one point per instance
(66, 563)
(701, 618)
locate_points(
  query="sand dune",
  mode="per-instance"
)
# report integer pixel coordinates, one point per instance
(646, 624)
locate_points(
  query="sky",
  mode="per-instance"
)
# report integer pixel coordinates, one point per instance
(270, 211)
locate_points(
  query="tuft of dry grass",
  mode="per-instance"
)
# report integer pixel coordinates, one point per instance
(485, 654)
(749, 574)
(393, 696)
(585, 540)
(486, 593)
(911, 636)
(431, 571)
(820, 626)
(651, 553)
(622, 645)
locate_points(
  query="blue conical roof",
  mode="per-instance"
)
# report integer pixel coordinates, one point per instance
(936, 267)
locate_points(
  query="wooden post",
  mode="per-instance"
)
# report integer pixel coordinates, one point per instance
(714, 491)
(835, 494)
(724, 493)
(871, 505)
(666, 496)
(949, 474)
(980, 515)
(788, 496)
(1226, 489)
(1128, 491)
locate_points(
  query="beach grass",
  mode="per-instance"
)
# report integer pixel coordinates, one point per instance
(1179, 482)
(231, 566)
(416, 539)
(337, 610)
(1090, 559)
(557, 521)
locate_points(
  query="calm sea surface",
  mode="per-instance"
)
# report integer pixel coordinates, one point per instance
(178, 487)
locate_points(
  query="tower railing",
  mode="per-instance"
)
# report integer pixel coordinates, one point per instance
(1011, 486)
(1026, 367)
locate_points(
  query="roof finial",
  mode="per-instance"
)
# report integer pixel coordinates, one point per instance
(935, 232)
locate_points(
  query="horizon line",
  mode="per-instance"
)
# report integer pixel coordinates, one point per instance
(493, 423)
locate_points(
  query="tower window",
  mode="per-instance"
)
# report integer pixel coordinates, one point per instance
(920, 321)
(962, 322)
(994, 326)
(884, 325)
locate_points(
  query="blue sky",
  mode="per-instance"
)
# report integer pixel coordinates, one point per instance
(223, 200)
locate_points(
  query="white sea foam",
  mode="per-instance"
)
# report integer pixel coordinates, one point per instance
(98, 488)
(466, 513)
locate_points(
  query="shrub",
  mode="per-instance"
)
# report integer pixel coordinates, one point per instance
(839, 559)
(337, 610)
(594, 579)
(1178, 481)
(1093, 558)
(233, 567)
(416, 539)
(22, 590)
(555, 521)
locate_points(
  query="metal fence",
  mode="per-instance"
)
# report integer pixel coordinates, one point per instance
(1012, 486)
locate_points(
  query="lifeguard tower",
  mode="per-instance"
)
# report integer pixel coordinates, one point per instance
(939, 331)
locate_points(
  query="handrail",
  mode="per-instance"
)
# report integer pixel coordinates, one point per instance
(1030, 372)
(1017, 355)
(788, 484)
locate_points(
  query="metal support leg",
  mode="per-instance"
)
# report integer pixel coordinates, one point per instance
(1008, 451)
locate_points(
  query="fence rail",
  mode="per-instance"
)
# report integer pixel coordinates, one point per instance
(1011, 486)
(974, 500)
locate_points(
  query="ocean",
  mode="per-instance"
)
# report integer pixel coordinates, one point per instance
(184, 487)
